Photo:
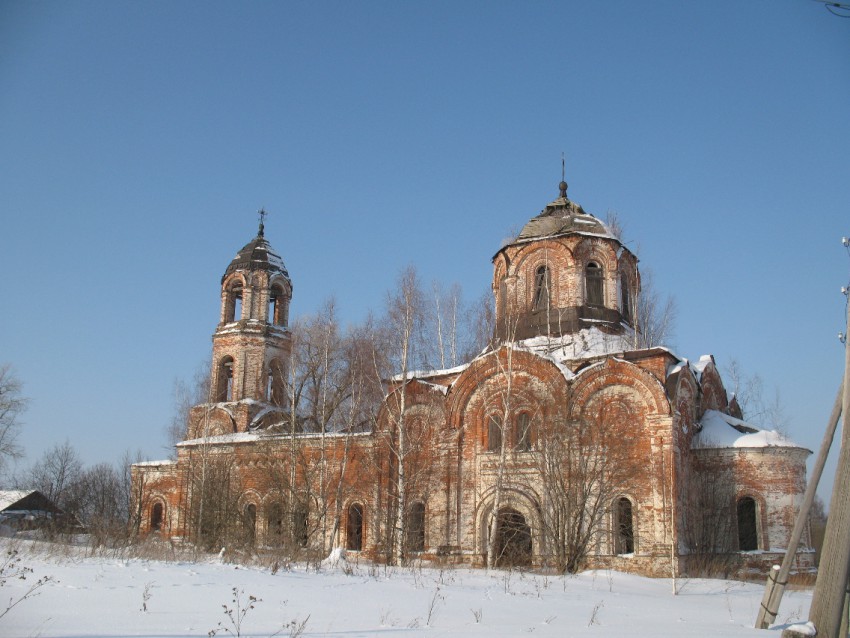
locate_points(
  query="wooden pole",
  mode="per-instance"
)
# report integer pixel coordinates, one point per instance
(776, 581)
(828, 599)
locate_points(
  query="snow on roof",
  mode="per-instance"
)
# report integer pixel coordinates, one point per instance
(723, 431)
(696, 369)
(10, 497)
(259, 435)
(155, 463)
(584, 344)
(419, 374)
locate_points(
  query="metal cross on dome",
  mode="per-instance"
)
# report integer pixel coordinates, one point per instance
(262, 213)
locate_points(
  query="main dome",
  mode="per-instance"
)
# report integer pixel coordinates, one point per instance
(562, 217)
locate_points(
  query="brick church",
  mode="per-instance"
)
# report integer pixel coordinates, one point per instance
(566, 443)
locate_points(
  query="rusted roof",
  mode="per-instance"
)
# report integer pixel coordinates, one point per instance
(562, 217)
(257, 254)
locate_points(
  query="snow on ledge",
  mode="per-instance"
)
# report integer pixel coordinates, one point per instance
(723, 431)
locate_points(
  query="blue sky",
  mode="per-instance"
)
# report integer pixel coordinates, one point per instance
(139, 139)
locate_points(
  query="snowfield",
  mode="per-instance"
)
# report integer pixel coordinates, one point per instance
(101, 596)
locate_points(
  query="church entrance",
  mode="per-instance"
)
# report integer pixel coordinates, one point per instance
(513, 539)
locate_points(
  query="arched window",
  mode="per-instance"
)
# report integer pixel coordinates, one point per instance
(416, 527)
(233, 302)
(250, 520)
(274, 524)
(278, 306)
(275, 392)
(625, 298)
(593, 285)
(354, 529)
(300, 530)
(624, 529)
(542, 287)
(494, 433)
(523, 432)
(224, 387)
(747, 528)
(157, 516)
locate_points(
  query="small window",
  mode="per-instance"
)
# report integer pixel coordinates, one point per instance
(747, 529)
(416, 528)
(233, 302)
(354, 529)
(301, 531)
(274, 524)
(224, 388)
(157, 517)
(250, 520)
(593, 285)
(494, 433)
(275, 392)
(542, 287)
(624, 530)
(523, 432)
(625, 299)
(278, 306)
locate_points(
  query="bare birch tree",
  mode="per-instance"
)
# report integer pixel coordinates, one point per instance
(655, 315)
(403, 327)
(12, 404)
(583, 464)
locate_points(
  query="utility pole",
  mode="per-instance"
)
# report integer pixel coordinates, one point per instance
(828, 602)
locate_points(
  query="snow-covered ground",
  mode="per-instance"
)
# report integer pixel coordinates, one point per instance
(131, 597)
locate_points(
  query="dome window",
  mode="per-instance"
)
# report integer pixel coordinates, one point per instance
(625, 299)
(593, 285)
(542, 286)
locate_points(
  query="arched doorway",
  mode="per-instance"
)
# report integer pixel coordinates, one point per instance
(354, 529)
(513, 539)
(157, 516)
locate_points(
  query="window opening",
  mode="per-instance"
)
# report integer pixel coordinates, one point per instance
(625, 299)
(354, 530)
(277, 306)
(494, 433)
(233, 307)
(156, 517)
(624, 527)
(593, 284)
(251, 521)
(225, 380)
(747, 531)
(542, 284)
(416, 527)
(523, 432)
(274, 524)
(300, 531)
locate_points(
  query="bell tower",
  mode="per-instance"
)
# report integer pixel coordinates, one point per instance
(251, 344)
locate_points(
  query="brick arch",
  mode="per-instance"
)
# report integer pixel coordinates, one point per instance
(501, 266)
(612, 373)
(550, 253)
(599, 250)
(417, 393)
(227, 297)
(485, 368)
(218, 421)
(518, 497)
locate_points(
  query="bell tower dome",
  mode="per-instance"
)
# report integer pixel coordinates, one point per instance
(251, 344)
(564, 272)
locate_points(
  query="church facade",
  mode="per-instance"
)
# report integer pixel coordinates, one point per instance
(567, 443)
